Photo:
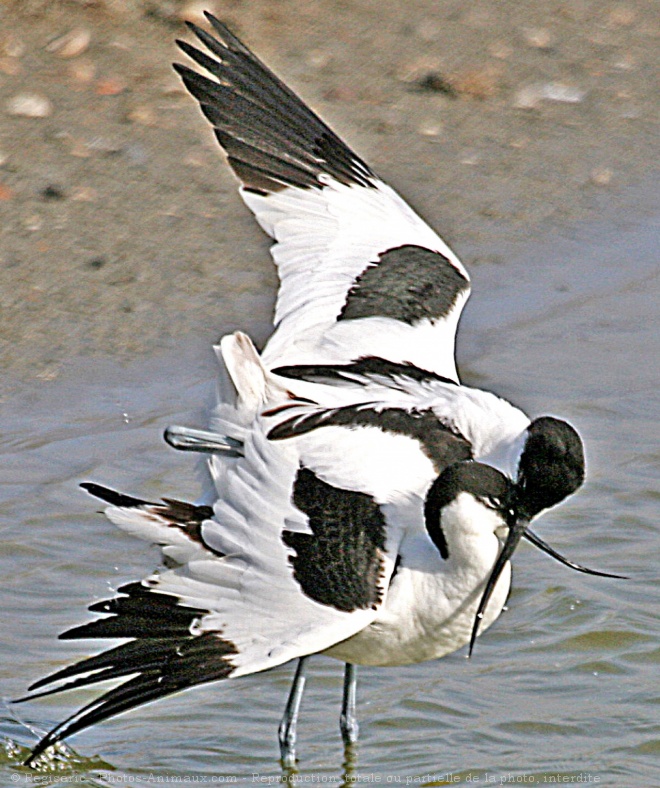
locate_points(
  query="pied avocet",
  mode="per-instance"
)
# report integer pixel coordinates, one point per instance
(291, 560)
(351, 516)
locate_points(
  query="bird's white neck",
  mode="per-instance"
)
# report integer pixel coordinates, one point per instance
(469, 530)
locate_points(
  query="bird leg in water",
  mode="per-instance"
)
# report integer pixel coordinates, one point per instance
(348, 719)
(287, 730)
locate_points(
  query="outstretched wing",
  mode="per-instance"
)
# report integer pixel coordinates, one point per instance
(283, 565)
(361, 274)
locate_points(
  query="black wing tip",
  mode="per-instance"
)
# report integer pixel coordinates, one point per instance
(227, 39)
(186, 48)
(221, 28)
(365, 366)
(182, 664)
(295, 371)
(180, 68)
(271, 127)
(196, 29)
(40, 749)
(113, 497)
(285, 430)
(215, 23)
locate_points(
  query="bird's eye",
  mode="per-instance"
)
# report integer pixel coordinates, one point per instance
(492, 502)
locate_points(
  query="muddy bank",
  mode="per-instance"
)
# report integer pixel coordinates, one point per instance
(121, 229)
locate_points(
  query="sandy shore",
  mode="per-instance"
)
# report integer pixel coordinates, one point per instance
(121, 229)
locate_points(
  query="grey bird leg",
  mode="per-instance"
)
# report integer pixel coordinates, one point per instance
(287, 730)
(348, 719)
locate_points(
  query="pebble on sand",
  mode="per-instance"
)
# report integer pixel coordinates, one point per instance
(33, 223)
(538, 37)
(621, 16)
(430, 128)
(530, 96)
(10, 66)
(82, 71)
(12, 46)
(70, 44)
(109, 86)
(84, 194)
(500, 49)
(142, 114)
(601, 176)
(29, 105)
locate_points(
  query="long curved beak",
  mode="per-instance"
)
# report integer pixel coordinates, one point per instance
(516, 533)
(545, 547)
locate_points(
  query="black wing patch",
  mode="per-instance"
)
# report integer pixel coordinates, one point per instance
(407, 283)
(370, 367)
(163, 652)
(440, 444)
(272, 139)
(341, 562)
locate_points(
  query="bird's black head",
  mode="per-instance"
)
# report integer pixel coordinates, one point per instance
(488, 486)
(479, 480)
(551, 466)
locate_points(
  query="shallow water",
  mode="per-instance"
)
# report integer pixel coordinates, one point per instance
(561, 689)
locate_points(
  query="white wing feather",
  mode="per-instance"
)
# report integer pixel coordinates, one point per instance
(251, 595)
(331, 219)
(324, 240)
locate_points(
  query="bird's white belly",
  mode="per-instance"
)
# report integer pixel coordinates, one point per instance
(439, 622)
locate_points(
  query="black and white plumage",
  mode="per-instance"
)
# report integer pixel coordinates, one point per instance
(291, 560)
(354, 511)
(449, 422)
(370, 296)
(360, 273)
(286, 564)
